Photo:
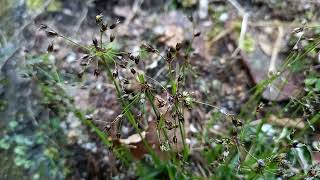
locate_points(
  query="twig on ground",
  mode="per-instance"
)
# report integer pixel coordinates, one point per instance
(275, 51)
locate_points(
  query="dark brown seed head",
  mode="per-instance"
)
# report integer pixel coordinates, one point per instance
(103, 27)
(118, 135)
(181, 118)
(137, 59)
(131, 57)
(51, 33)
(133, 71)
(96, 72)
(178, 46)
(122, 65)
(169, 54)
(161, 102)
(43, 27)
(95, 42)
(148, 48)
(125, 81)
(80, 74)
(114, 25)
(172, 50)
(196, 34)
(112, 37)
(179, 78)
(115, 74)
(175, 139)
(50, 47)
(99, 18)
(107, 127)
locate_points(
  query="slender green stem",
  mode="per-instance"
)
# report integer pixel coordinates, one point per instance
(128, 113)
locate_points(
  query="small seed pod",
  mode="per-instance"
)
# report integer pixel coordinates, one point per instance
(112, 37)
(180, 78)
(122, 66)
(103, 27)
(148, 48)
(96, 72)
(137, 59)
(178, 46)
(115, 74)
(175, 139)
(43, 27)
(131, 57)
(168, 124)
(168, 54)
(236, 122)
(125, 81)
(107, 128)
(50, 47)
(99, 18)
(118, 135)
(133, 71)
(114, 25)
(196, 34)
(181, 118)
(80, 74)
(51, 33)
(95, 42)
(295, 144)
(161, 102)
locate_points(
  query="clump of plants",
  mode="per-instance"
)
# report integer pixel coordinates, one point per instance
(159, 149)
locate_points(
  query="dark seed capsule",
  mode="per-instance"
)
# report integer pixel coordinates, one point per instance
(95, 42)
(133, 71)
(112, 37)
(115, 74)
(172, 50)
(96, 72)
(180, 78)
(103, 27)
(122, 65)
(107, 127)
(169, 55)
(148, 48)
(118, 135)
(51, 34)
(295, 144)
(50, 47)
(43, 26)
(125, 81)
(80, 74)
(181, 118)
(131, 57)
(99, 18)
(178, 46)
(114, 25)
(196, 34)
(137, 59)
(175, 139)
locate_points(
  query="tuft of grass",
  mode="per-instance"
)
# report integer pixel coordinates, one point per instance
(243, 150)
